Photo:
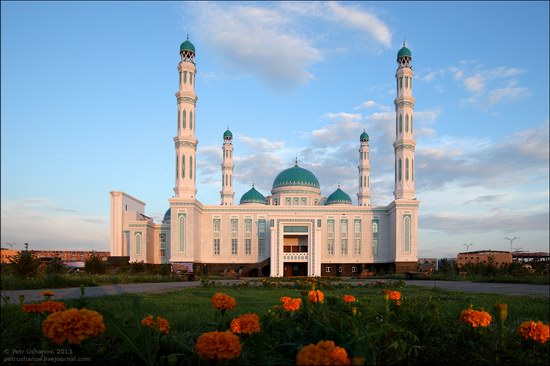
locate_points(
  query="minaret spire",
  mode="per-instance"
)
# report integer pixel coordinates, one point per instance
(226, 194)
(363, 196)
(404, 127)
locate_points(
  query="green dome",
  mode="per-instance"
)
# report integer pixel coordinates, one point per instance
(296, 176)
(227, 135)
(364, 137)
(404, 51)
(253, 196)
(166, 219)
(187, 46)
(338, 197)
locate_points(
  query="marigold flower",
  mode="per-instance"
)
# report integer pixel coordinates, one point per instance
(394, 296)
(322, 353)
(476, 318)
(223, 302)
(47, 294)
(73, 325)
(348, 298)
(246, 324)
(536, 331)
(160, 324)
(316, 296)
(44, 307)
(218, 346)
(290, 304)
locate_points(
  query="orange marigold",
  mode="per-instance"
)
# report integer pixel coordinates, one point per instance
(536, 331)
(218, 346)
(73, 325)
(246, 324)
(394, 296)
(476, 318)
(44, 307)
(222, 301)
(290, 304)
(348, 298)
(322, 353)
(316, 296)
(47, 294)
(160, 324)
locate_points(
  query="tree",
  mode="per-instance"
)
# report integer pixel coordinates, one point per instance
(94, 264)
(25, 264)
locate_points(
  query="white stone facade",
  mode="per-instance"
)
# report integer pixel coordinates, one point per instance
(293, 231)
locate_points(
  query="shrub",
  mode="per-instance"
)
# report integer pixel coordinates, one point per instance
(137, 267)
(95, 265)
(56, 266)
(25, 264)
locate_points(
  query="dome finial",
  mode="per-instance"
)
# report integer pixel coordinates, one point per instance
(296, 161)
(252, 184)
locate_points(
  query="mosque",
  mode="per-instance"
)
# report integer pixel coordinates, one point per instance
(294, 231)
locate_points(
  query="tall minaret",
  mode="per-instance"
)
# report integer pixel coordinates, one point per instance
(227, 193)
(404, 136)
(185, 140)
(364, 171)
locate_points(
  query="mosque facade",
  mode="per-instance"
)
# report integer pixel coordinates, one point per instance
(294, 231)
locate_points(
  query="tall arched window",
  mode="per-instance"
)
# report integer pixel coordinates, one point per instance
(137, 243)
(400, 123)
(406, 123)
(400, 83)
(191, 78)
(223, 180)
(190, 120)
(179, 118)
(191, 167)
(406, 83)
(407, 169)
(396, 126)
(185, 77)
(183, 165)
(407, 233)
(399, 170)
(181, 222)
(177, 167)
(180, 79)
(184, 123)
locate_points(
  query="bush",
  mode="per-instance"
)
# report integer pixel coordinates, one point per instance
(56, 266)
(137, 267)
(25, 264)
(95, 265)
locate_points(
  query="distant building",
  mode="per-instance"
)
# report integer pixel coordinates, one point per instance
(497, 257)
(7, 254)
(65, 255)
(528, 257)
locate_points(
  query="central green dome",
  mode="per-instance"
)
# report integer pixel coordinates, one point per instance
(253, 196)
(338, 197)
(296, 176)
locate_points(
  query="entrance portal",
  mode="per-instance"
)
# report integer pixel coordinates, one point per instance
(295, 269)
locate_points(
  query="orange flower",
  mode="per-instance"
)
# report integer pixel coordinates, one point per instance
(246, 324)
(218, 346)
(73, 325)
(348, 298)
(322, 353)
(47, 294)
(44, 307)
(394, 296)
(476, 318)
(290, 304)
(223, 302)
(160, 324)
(316, 296)
(536, 331)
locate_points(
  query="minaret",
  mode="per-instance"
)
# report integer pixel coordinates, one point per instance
(227, 194)
(364, 171)
(404, 135)
(185, 140)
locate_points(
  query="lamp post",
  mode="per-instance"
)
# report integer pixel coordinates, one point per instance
(511, 241)
(468, 247)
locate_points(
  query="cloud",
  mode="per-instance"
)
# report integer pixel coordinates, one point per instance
(366, 105)
(475, 84)
(485, 199)
(261, 143)
(510, 92)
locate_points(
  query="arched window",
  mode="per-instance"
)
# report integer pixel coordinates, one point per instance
(399, 170)
(400, 123)
(226, 182)
(407, 233)
(177, 166)
(190, 120)
(184, 124)
(223, 180)
(180, 80)
(396, 126)
(137, 243)
(179, 117)
(183, 165)
(406, 83)
(185, 77)
(400, 83)
(406, 123)
(191, 78)
(407, 169)
(181, 222)
(191, 167)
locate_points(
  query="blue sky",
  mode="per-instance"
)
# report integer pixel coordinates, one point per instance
(88, 106)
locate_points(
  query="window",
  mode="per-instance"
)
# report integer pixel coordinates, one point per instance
(407, 169)
(374, 237)
(287, 201)
(400, 123)
(216, 226)
(248, 236)
(181, 223)
(406, 123)
(357, 239)
(247, 226)
(185, 77)
(261, 237)
(330, 237)
(234, 247)
(126, 242)
(162, 238)
(183, 166)
(304, 202)
(248, 246)
(191, 167)
(328, 269)
(180, 79)
(354, 269)
(406, 83)
(407, 233)
(191, 120)
(216, 246)
(344, 237)
(179, 118)
(191, 78)
(137, 244)
(234, 232)
(295, 201)
(399, 170)
(177, 167)
(184, 123)
(400, 83)
(340, 269)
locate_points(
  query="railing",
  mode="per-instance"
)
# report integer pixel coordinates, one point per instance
(295, 257)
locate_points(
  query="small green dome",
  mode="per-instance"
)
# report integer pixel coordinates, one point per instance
(166, 219)
(227, 135)
(404, 51)
(253, 196)
(187, 46)
(364, 137)
(338, 197)
(296, 176)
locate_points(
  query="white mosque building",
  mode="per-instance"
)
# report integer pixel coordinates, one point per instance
(294, 231)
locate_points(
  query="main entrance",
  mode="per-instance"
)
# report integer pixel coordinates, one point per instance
(295, 269)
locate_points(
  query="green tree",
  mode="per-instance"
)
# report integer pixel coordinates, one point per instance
(94, 264)
(25, 264)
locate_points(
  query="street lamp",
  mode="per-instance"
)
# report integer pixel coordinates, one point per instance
(467, 247)
(511, 241)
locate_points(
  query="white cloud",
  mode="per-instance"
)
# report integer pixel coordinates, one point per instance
(261, 143)
(475, 83)
(367, 104)
(510, 92)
